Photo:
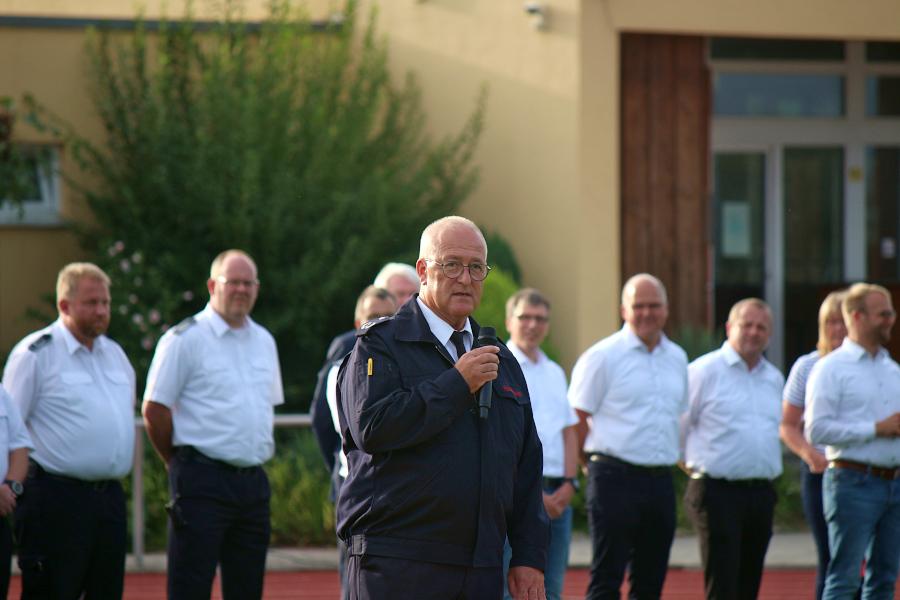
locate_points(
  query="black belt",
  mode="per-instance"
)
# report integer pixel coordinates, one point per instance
(886, 473)
(599, 457)
(38, 472)
(191, 454)
(748, 483)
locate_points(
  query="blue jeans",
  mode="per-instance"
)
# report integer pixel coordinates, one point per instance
(557, 556)
(863, 516)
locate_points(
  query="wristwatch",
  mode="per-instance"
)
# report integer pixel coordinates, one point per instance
(573, 481)
(16, 486)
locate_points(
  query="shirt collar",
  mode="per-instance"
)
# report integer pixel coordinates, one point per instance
(857, 352)
(219, 325)
(439, 327)
(732, 358)
(522, 357)
(632, 341)
(71, 342)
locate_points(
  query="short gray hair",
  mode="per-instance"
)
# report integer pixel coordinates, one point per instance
(394, 268)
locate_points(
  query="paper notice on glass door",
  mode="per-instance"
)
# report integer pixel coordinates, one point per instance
(735, 229)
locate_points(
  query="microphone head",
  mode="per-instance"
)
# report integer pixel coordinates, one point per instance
(487, 336)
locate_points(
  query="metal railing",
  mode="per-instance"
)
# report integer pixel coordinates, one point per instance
(137, 479)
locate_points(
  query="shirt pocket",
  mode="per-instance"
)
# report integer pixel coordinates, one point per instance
(70, 378)
(261, 374)
(219, 378)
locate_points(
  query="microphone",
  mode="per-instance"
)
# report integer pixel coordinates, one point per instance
(487, 336)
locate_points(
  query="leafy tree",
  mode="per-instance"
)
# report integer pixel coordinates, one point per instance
(288, 141)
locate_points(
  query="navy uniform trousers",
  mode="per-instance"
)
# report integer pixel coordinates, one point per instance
(372, 577)
(218, 514)
(72, 537)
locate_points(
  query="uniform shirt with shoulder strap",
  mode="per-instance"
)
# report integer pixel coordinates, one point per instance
(77, 404)
(221, 384)
(848, 391)
(635, 397)
(731, 428)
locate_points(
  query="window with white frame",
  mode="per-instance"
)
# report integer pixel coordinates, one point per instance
(37, 173)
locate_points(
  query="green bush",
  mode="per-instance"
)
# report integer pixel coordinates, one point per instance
(301, 512)
(290, 142)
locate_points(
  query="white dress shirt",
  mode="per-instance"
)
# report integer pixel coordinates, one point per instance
(221, 384)
(13, 434)
(848, 391)
(552, 413)
(331, 398)
(731, 428)
(442, 330)
(635, 397)
(77, 404)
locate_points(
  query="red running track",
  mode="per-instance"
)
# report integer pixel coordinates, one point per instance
(777, 584)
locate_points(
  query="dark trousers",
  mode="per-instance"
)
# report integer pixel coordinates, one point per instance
(218, 515)
(381, 578)
(6, 546)
(734, 524)
(631, 514)
(72, 538)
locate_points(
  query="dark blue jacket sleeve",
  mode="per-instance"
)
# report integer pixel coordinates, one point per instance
(386, 410)
(528, 526)
(322, 425)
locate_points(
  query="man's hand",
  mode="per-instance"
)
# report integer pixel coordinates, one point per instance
(557, 502)
(478, 366)
(526, 583)
(7, 500)
(816, 461)
(889, 427)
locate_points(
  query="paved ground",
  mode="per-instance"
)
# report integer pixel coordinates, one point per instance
(787, 550)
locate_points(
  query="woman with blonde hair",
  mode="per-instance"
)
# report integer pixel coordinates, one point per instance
(832, 331)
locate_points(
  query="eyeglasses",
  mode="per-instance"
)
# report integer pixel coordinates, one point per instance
(236, 283)
(539, 319)
(454, 268)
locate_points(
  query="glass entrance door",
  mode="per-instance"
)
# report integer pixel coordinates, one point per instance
(779, 215)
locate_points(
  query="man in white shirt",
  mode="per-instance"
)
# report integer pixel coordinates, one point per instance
(528, 322)
(853, 406)
(733, 452)
(14, 446)
(629, 391)
(209, 411)
(74, 388)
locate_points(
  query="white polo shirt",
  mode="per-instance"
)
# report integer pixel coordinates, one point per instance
(731, 428)
(77, 404)
(221, 384)
(552, 413)
(13, 434)
(634, 396)
(848, 391)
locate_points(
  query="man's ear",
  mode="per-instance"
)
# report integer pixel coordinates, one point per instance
(421, 266)
(211, 286)
(62, 305)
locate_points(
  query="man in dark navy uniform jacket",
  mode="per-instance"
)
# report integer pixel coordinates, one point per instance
(433, 489)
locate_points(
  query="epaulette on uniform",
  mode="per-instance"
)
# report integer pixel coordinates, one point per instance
(184, 325)
(40, 342)
(364, 329)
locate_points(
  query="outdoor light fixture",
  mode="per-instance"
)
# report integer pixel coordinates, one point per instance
(537, 13)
